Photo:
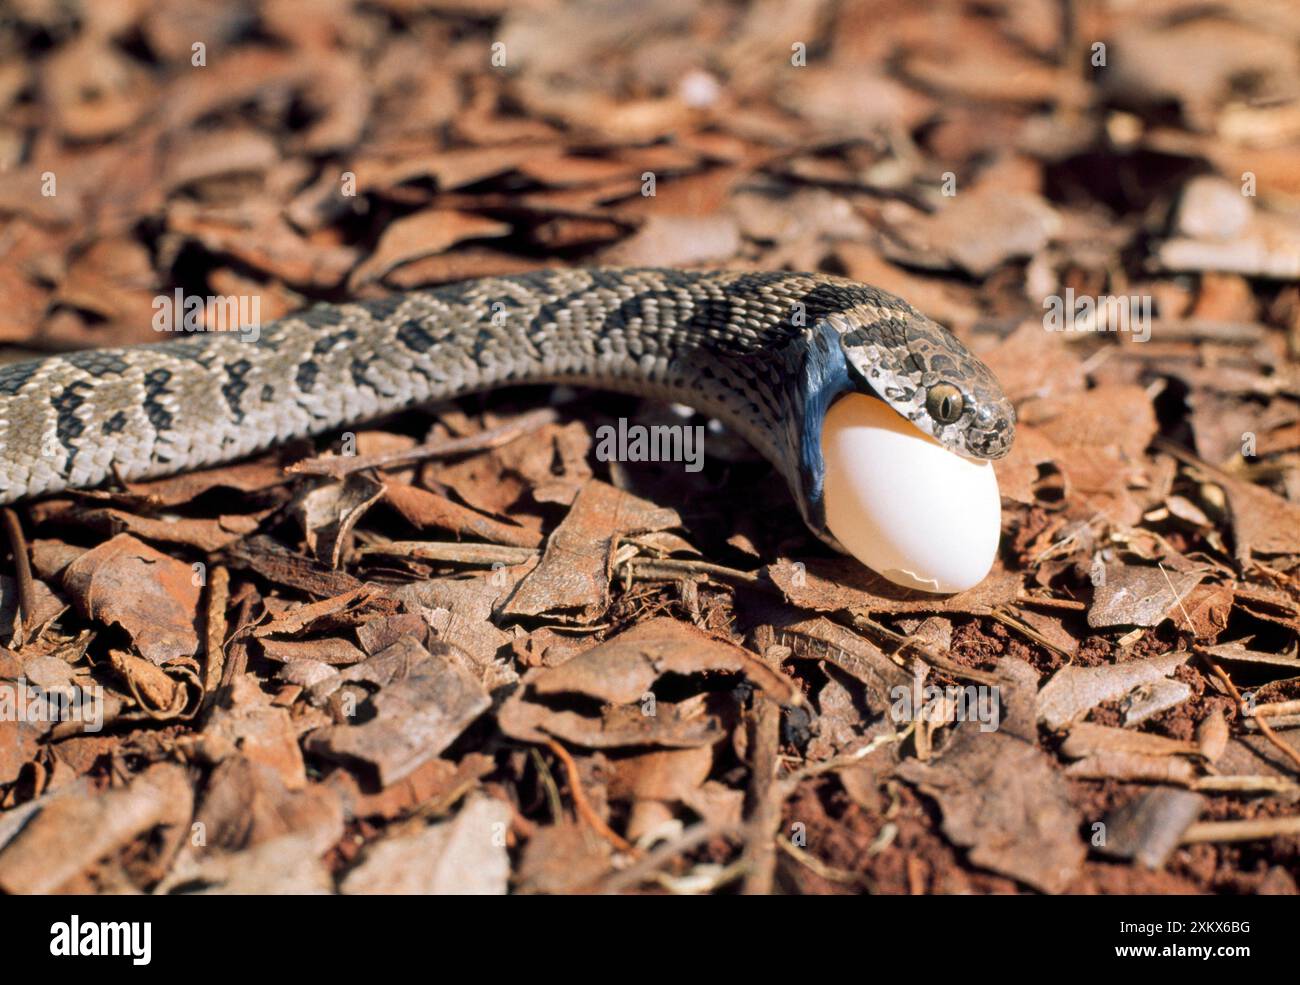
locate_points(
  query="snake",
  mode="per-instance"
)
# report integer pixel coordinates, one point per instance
(765, 353)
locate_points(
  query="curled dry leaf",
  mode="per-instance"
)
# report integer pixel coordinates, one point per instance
(207, 535)
(683, 725)
(265, 242)
(576, 566)
(562, 857)
(1263, 521)
(620, 674)
(289, 865)
(19, 744)
(47, 606)
(437, 781)
(330, 512)
(1238, 652)
(1147, 700)
(246, 477)
(416, 717)
(1131, 767)
(246, 804)
(460, 611)
(676, 241)
(330, 650)
(161, 695)
(1212, 735)
(423, 509)
(821, 639)
(976, 231)
(622, 670)
(343, 610)
(421, 235)
(152, 596)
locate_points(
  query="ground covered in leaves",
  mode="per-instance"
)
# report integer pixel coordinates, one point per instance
(456, 652)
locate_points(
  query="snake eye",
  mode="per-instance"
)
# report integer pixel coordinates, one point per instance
(944, 402)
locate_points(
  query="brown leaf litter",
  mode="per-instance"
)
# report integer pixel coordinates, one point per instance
(454, 651)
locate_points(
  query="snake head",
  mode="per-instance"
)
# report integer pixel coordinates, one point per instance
(925, 374)
(868, 340)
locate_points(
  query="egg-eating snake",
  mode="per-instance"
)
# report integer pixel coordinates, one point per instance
(765, 353)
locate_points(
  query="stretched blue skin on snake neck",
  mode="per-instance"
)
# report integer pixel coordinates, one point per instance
(825, 377)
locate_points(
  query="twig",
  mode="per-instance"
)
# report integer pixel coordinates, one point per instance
(674, 568)
(215, 637)
(23, 571)
(584, 808)
(337, 466)
(487, 554)
(1253, 830)
(828, 872)
(1245, 784)
(645, 866)
(1275, 708)
(234, 656)
(1024, 629)
(1265, 729)
(766, 795)
(548, 785)
(451, 552)
(932, 656)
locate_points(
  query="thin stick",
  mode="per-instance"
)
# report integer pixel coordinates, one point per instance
(830, 873)
(1276, 708)
(1253, 830)
(928, 653)
(214, 653)
(547, 779)
(766, 796)
(1264, 727)
(451, 552)
(648, 864)
(1245, 784)
(460, 553)
(23, 570)
(674, 568)
(585, 810)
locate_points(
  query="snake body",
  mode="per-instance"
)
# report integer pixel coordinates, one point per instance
(765, 353)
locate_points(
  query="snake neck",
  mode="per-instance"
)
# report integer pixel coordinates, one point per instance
(746, 349)
(750, 349)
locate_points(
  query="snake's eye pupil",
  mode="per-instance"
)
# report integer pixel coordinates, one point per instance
(944, 402)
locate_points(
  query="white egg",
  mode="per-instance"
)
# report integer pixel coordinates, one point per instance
(902, 504)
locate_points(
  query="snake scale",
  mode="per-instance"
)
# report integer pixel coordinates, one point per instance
(765, 353)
